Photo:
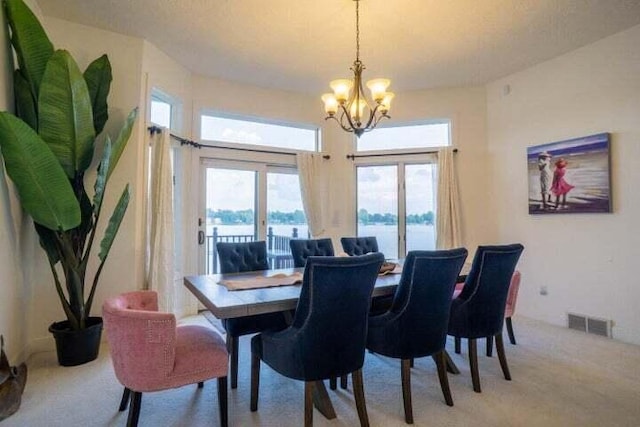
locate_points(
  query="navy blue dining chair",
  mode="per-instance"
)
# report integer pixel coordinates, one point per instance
(329, 330)
(301, 249)
(416, 324)
(478, 312)
(359, 245)
(239, 258)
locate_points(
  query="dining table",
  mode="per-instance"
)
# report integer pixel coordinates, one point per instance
(225, 303)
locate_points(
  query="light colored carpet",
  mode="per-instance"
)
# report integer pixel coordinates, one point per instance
(560, 378)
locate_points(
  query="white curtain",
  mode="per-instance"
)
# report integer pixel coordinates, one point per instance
(448, 230)
(312, 187)
(160, 245)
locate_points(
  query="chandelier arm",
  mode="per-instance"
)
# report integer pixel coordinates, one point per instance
(351, 126)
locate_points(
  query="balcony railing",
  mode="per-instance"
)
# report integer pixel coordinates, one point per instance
(278, 250)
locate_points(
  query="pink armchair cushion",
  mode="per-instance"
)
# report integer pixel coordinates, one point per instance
(512, 296)
(150, 353)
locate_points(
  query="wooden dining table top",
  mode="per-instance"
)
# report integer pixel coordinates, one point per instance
(225, 304)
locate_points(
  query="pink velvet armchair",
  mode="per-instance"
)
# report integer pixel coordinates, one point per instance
(150, 353)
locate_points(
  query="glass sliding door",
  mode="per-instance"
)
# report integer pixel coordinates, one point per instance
(396, 204)
(285, 215)
(377, 204)
(248, 201)
(420, 207)
(230, 210)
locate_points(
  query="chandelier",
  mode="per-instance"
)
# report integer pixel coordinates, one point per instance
(357, 114)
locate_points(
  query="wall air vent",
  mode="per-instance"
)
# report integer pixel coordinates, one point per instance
(591, 325)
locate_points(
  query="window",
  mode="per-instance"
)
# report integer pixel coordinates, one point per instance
(247, 201)
(236, 130)
(396, 204)
(433, 134)
(160, 112)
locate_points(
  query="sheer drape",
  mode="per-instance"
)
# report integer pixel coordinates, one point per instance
(312, 187)
(448, 231)
(160, 245)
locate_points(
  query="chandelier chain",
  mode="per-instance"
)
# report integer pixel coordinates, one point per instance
(358, 30)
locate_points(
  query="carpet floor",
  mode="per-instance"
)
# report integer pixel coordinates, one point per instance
(560, 378)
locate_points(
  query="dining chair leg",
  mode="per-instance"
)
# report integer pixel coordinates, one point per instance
(473, 364)
(308, 403)
(503, 357)
(441, 362)
(451, 366)
(344, 381)
(405, 375)
(222, 401)
(200, 384)
(358, 392)
(512, 337)
(134, 409)
(255, 381)
(234, 344)
(489, 346)
(333, 383)
(124, 402)
(457, 343)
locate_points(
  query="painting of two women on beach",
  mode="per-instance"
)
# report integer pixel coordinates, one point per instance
(570, 176)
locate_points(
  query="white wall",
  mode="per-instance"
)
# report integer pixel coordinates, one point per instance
(587, 261)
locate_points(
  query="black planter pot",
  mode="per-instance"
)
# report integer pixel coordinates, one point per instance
(77, 347)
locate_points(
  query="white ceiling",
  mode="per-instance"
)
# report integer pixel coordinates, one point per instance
(299, 45)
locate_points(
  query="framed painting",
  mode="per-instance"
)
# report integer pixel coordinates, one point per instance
(571, 176)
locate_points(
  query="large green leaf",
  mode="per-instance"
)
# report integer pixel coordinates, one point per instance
(114, 224)
(43, 187)
(121, 141)
(101, 179)
(65, 115)
(25, 105)
(48, 243)
(98, 78)
(31, 43)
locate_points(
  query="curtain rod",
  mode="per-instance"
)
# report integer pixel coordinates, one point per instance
(357, 156)
(185, 141)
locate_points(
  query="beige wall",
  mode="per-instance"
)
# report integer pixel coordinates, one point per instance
(586, 261)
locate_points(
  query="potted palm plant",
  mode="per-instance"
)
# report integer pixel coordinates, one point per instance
(48, 148)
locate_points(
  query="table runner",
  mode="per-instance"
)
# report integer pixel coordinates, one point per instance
(281, 279)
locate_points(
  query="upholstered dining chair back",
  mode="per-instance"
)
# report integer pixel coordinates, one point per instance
(359, 245)
(416, 324)
(328, 335)
(301, 249)
(138, 334)
(243, 256)
(479, 309)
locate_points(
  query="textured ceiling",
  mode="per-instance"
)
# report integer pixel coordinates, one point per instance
(299, 45)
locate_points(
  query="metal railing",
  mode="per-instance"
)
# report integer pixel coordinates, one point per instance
(278, 250)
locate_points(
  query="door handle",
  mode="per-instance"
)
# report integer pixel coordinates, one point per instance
(201, 237)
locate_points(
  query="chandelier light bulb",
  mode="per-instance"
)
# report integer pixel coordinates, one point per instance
(330, 103)
(385, 104)
(341, 89)
(357, 110)
(378, 88)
